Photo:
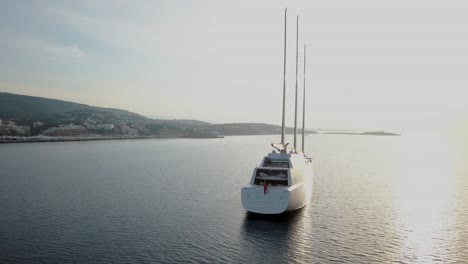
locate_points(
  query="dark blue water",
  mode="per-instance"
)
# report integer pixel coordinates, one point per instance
(376, 199)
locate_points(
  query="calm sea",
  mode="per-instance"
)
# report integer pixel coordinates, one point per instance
(376, 200)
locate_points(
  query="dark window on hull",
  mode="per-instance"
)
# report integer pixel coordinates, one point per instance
(271, 182)
(275, 163)
(271, 177)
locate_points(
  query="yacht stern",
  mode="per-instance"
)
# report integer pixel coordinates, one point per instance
(265, 200)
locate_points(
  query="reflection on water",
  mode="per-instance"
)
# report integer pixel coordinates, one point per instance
(274, 238)
(425, 197)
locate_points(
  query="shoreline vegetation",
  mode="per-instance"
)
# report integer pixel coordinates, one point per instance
(41, 139)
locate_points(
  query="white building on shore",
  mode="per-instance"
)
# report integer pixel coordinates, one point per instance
(105, 127)
(65, 130)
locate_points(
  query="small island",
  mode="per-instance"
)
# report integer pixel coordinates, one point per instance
(376, 133)
(379, 133)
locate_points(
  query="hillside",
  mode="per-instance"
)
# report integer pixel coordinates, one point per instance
(34, 116)
(17, 107)
(59, 117)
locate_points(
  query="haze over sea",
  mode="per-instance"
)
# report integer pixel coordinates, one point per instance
(376, 199)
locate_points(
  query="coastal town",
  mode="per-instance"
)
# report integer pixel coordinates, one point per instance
(9, 128)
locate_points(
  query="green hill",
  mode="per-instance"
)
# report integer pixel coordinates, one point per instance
(26, 110)
(17, 107)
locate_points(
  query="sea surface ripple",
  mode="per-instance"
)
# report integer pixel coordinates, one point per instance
(375, 200)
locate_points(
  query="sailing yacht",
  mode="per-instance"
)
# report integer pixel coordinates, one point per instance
(283, 181)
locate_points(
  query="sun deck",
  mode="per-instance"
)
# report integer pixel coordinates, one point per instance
(273, 172)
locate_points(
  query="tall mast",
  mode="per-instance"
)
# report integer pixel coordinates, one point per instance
(284, 82)
(303, 100)
(295, 106)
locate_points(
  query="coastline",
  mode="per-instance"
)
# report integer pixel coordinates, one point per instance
(379, 133)
(41, 139)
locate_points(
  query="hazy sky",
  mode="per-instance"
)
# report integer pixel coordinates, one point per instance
(371, 64)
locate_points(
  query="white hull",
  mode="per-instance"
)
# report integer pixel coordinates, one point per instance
(277, 200)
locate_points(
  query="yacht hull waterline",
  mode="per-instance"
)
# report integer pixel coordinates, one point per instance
(277, 199)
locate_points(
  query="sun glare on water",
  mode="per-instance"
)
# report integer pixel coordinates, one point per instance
(425, 197)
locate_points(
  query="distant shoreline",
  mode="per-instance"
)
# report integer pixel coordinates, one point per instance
(16, 140)
(379, 133)
(49, 120)
(43, 139)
